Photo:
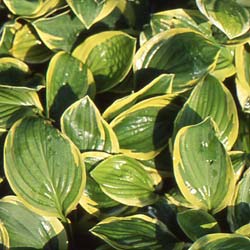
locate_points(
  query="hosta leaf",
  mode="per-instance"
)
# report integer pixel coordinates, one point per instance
(109, 56)
(211, 98)
(244, 230)
(225, 65)
(202, 167)
(197, 223)
(183, 52)
(239, 212)
(159, 86)
(4, 238)
(43, 167)
(228, 15)
(242, 60)
(15, 103)
(7, 37)
(92, 11)
(125, 180)
(83, 124)
(27, 46)
(28, 230)
(136, 232)
(94, 199)
(144, 129)
(32, 8)
(59, 32)
(239, 161)
(180, 18)
(68, 80)
(15, 72)
(221, 241)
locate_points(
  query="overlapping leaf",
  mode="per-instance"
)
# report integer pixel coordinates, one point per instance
(43, 167)
(68, 80)
(60, 31)
(32, 8)
(83, 124)
(230, 16)
(28, 47)
(109, 56)
(242, 60)
(28, 230)
(183, 52)
(125, 180)
(92, 11)
(239, 212)
(136, 232)
(17, 102)
(197, 223)
(202, 167)
(159, 86)
(211, 98)
(144, 129)
(221, 241)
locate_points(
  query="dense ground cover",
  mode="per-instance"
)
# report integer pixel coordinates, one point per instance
(124, 124)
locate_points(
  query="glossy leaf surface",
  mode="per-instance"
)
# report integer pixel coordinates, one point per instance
(211, 98)
(197, 223)
(228, 15)
(68, 80)
(83, 124)
(182, 52)
(125, 180)
(28, 230)
(144, 129)
(202, 167)
(43, 167)
(109, 56)
(135, 232)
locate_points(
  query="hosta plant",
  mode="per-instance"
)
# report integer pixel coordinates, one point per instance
(125, 124)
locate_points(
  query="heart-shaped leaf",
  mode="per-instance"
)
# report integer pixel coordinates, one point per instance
(136, 232)
(43, 167)
(84, 125)
(181, 51)
(109, 56)
(60, 31)
(144, 129)
(15, 103)
(92, 11)
(197, 223)
(221, 241)
(202, 167)
(228, 15)
(125, 180)
(28, 230)
(159, 86)
(68, 80)
(211, 98)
